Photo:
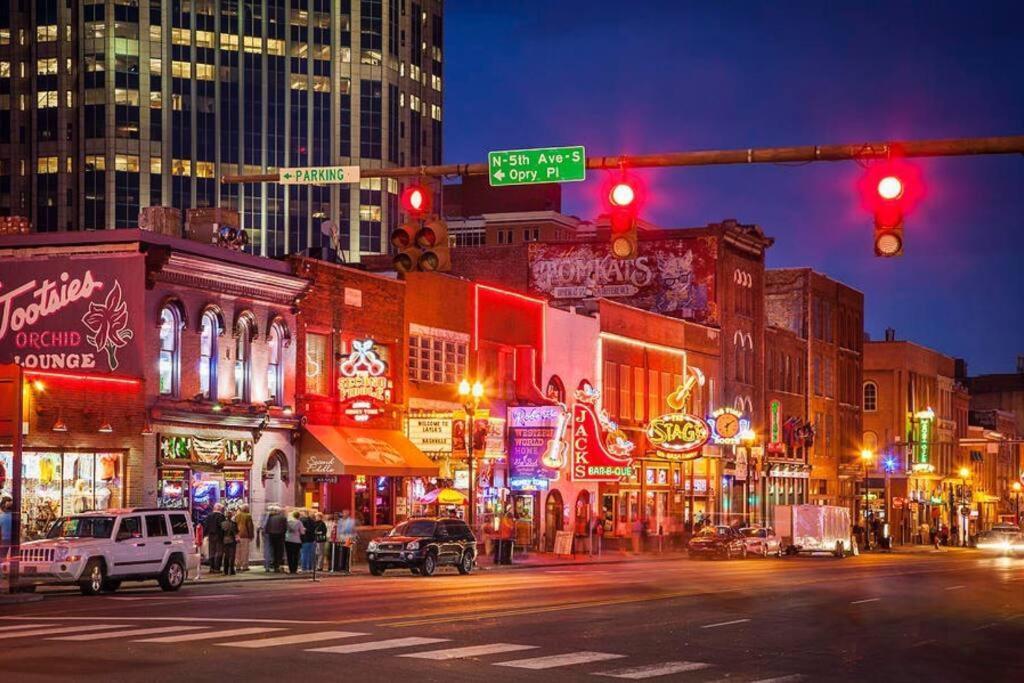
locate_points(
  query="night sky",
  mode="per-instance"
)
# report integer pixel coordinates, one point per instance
(645, 76)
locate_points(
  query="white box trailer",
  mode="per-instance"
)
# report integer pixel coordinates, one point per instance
(814, 529)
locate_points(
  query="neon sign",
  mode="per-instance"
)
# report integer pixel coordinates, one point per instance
(925, 420)
(600, 450)
(726, 426)
(678, 434)
(363, 386)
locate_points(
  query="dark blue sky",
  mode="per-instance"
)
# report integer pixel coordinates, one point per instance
(646, 76)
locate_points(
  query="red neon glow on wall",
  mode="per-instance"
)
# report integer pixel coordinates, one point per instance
(83, 378)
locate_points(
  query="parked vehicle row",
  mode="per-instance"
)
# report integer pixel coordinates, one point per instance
(726, 542)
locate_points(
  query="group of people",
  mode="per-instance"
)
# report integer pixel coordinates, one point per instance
(294, 539)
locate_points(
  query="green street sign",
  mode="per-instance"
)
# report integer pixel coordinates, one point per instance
(533, 166)
(318, 175)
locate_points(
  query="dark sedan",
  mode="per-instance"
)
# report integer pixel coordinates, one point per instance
(718, 541)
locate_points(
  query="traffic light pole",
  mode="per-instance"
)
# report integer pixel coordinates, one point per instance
(952, 147)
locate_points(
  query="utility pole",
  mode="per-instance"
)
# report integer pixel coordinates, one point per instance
(952, 147)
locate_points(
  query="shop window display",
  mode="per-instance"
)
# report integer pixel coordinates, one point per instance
(56, 484)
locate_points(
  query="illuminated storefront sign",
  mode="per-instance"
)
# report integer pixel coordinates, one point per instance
(925, 421)
(726, 426)
(535, 445)
(775, 424)
(431, 433)
(214, 451)
(678, 435)
(363, 386)
(600, 450)
(77, 314)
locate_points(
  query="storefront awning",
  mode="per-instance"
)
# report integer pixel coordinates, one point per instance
(328, 450)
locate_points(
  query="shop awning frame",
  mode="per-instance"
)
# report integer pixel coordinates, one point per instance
(332, 450)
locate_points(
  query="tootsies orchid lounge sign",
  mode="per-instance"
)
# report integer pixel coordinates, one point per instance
(80, 315)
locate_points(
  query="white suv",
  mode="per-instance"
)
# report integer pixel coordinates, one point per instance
(99, 550)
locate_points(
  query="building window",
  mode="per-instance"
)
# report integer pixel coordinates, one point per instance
(243, 359)
(870, 397)
(275, 355)
(317, 370)
(437, 360)
(209, 330)
(170, 349)
(556, 389)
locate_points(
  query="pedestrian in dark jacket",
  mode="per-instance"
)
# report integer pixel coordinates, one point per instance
(308, 551)
(214, 533)
(230, 541)
(293, 542)
(276, 528)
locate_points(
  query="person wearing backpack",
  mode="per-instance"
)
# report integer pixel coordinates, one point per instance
(229, 542)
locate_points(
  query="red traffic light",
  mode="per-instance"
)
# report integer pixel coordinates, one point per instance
(415, 200)
(622, 195)
(890, 189)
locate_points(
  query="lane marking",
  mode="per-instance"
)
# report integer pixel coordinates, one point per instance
(552, 661)
(861, 602)
(922, 643)
(298, 638)
(954, 588)
(41, 631)
(207, 635)
(372, 645)
(17, 626)
(217, 620)
(782, 679)
(637, 673)
(470, 651)
(128, 633)
(726, 623)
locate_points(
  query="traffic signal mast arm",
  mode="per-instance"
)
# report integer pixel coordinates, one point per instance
(953, 147)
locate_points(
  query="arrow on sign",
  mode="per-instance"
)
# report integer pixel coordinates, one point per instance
(287, 175)
(500, 175)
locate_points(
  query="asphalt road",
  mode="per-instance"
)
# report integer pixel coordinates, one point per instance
(935, 616)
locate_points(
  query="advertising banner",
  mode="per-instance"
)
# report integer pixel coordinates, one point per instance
(81, 314)
(672, 276)
(431, 433)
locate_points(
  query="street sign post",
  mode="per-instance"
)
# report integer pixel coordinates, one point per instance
(319, 175)
(534, 166)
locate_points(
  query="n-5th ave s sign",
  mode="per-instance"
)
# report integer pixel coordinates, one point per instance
(533, 166)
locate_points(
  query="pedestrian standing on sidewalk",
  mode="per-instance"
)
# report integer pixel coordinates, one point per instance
(346, 536)
(308, 551)
(320, 536)
(638, 532)
(215, 538)
(276, 527)
(229, 540)
(293, 541)
(6, 526)
(246, 532)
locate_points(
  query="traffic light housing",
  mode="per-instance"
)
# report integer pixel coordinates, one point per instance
(622, 198)
(432, 240)
(889, 190)
(421, 243)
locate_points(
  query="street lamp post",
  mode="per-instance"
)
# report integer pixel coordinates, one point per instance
(867, 457)
(962, 534)
(748, 436)
(471, 395)
(1016, 489)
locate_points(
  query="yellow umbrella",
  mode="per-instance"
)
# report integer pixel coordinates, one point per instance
(451, 497)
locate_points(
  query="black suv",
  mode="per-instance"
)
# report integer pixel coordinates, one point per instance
(422, 545)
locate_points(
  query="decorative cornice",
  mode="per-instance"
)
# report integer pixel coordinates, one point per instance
(230, 278)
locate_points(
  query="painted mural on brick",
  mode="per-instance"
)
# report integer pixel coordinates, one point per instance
(674, 276)
(75, 315)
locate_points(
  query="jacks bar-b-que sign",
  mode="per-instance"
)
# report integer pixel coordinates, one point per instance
(79, 315)
(672, 276)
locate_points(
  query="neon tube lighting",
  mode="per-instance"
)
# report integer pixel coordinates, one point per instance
(86, 378)
(611, 336)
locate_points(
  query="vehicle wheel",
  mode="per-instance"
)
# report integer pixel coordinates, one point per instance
(781, 553)
(173, 576)
(415, 571)
(466, 565)
(376, 569)
(25, 589)
(429, 565)
(743, 553)
(111, 585)
(93, 577)
(764, 550)
(839, 550)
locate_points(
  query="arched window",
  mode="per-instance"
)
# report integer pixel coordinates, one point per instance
(243, 359)
(170, 350)
(275, 365)
(870, 397)
(556, 389)
(209, 330)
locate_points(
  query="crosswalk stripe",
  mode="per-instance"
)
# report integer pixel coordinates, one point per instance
(637, 673)
(551, 661)
(792, 678)
(27, 633)
(296, 639)
(393, 643)
(19, 626)
(208, 635)
(470, 651)
(129, 633)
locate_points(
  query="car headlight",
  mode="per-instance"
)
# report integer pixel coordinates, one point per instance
(415, 545)
(372, 545)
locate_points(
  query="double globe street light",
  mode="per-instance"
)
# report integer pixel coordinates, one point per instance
(471, 394)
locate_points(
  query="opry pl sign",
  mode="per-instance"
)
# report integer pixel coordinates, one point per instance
(78, 314)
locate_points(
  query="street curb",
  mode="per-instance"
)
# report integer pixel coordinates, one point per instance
(19, 598)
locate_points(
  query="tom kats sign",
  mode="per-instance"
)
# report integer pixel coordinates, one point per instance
(80, 314)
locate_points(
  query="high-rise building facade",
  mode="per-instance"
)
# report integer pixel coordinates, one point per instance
(107, 106)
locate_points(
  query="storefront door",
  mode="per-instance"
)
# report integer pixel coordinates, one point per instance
(554, 518)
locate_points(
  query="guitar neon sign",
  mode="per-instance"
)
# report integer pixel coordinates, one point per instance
(364, 386)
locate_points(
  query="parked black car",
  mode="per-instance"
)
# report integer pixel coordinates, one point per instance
(422, 545)
(718, 541)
